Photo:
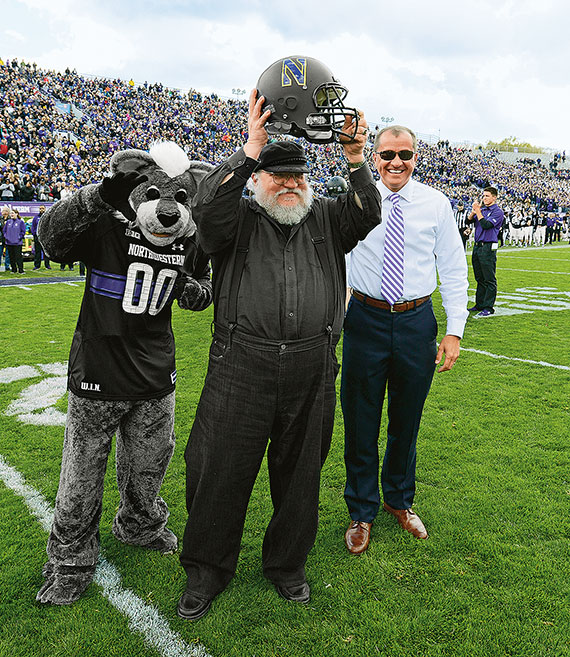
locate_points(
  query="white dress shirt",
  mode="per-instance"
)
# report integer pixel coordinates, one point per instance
(432, 247)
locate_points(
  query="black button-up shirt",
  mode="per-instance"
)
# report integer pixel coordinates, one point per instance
(283, 293)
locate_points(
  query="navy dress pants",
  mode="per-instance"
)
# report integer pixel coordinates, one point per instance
(382, 349)
(256, 390)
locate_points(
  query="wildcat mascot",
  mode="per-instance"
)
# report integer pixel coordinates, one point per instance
(135, 233)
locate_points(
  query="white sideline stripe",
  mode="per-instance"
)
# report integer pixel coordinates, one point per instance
(536, 271)
(33, 499)
(521, 360)
(518, 249)
(523, 257)
(27, 287)
(143, 618)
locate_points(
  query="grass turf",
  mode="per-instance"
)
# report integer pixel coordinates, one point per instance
(493, 490)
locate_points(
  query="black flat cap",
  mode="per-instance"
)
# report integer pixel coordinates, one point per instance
(286, 156)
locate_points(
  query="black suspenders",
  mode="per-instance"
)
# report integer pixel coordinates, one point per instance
(239, 263)
(321, 249)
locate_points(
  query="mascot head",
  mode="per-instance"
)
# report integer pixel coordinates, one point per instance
(162, 204)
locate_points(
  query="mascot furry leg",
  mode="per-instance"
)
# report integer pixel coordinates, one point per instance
(145, 443)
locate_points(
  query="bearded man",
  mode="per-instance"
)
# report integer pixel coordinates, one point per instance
(278, 261)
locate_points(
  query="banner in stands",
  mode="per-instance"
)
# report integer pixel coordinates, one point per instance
(27, 209)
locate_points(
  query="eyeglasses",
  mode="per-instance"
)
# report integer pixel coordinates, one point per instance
(404, 155)
(284, 178)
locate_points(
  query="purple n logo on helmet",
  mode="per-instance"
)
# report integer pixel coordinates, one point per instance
(294, 69)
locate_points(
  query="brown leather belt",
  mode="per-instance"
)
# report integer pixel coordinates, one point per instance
(396, 308)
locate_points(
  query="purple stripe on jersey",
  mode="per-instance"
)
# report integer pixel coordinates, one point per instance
(108, 274)
(107, 285)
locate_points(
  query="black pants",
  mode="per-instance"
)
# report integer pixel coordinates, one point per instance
(484, 262)
(39, 254)
(16, 260)
(256, 389)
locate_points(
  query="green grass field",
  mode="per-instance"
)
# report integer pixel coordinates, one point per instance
(493, 490)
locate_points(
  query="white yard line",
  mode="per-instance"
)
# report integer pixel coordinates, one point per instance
(521, 360)
(520, 249)
(8, 283)
(143, 618)
(535, 271)
(523, 257)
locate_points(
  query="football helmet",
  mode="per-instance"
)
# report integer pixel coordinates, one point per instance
(336, 186)
(305, 100)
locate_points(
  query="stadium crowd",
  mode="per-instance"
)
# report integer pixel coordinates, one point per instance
(58, 131)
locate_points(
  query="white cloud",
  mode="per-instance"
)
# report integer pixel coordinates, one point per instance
(472, 71)
(12, 34)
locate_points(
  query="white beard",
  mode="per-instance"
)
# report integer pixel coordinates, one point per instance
(288, 216)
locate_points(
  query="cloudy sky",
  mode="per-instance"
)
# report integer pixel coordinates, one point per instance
(467, 71)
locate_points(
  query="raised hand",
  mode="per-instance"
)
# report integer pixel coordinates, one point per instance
(116, 189)
(257, 134)
(354, 148)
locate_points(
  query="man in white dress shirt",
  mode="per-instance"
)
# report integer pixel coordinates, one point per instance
(393, 343)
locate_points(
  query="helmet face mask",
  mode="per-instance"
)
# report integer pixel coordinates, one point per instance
(306, 100)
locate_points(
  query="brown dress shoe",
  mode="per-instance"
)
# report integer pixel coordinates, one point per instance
(357, 536)
(408, 520)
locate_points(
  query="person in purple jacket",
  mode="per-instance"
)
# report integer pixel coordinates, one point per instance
(14, 231)
(488, 218)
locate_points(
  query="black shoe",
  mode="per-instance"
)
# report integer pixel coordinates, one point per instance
(192, 608)
(473, 309)
(295, 593)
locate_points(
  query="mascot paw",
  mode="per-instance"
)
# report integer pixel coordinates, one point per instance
(116, 189)
(63, 588)
(165, 543)
(191, 295)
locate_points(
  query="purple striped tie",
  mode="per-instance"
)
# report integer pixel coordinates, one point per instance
(392, 286)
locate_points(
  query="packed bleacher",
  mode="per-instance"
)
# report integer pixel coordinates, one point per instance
(59, 129)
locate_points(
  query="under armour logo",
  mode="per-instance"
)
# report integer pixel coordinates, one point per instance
(180, 247)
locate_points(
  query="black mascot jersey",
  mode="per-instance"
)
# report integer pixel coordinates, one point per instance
(124, 337)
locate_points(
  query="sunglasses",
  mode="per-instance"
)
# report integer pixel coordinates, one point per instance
(404, 155)
(284, 178)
